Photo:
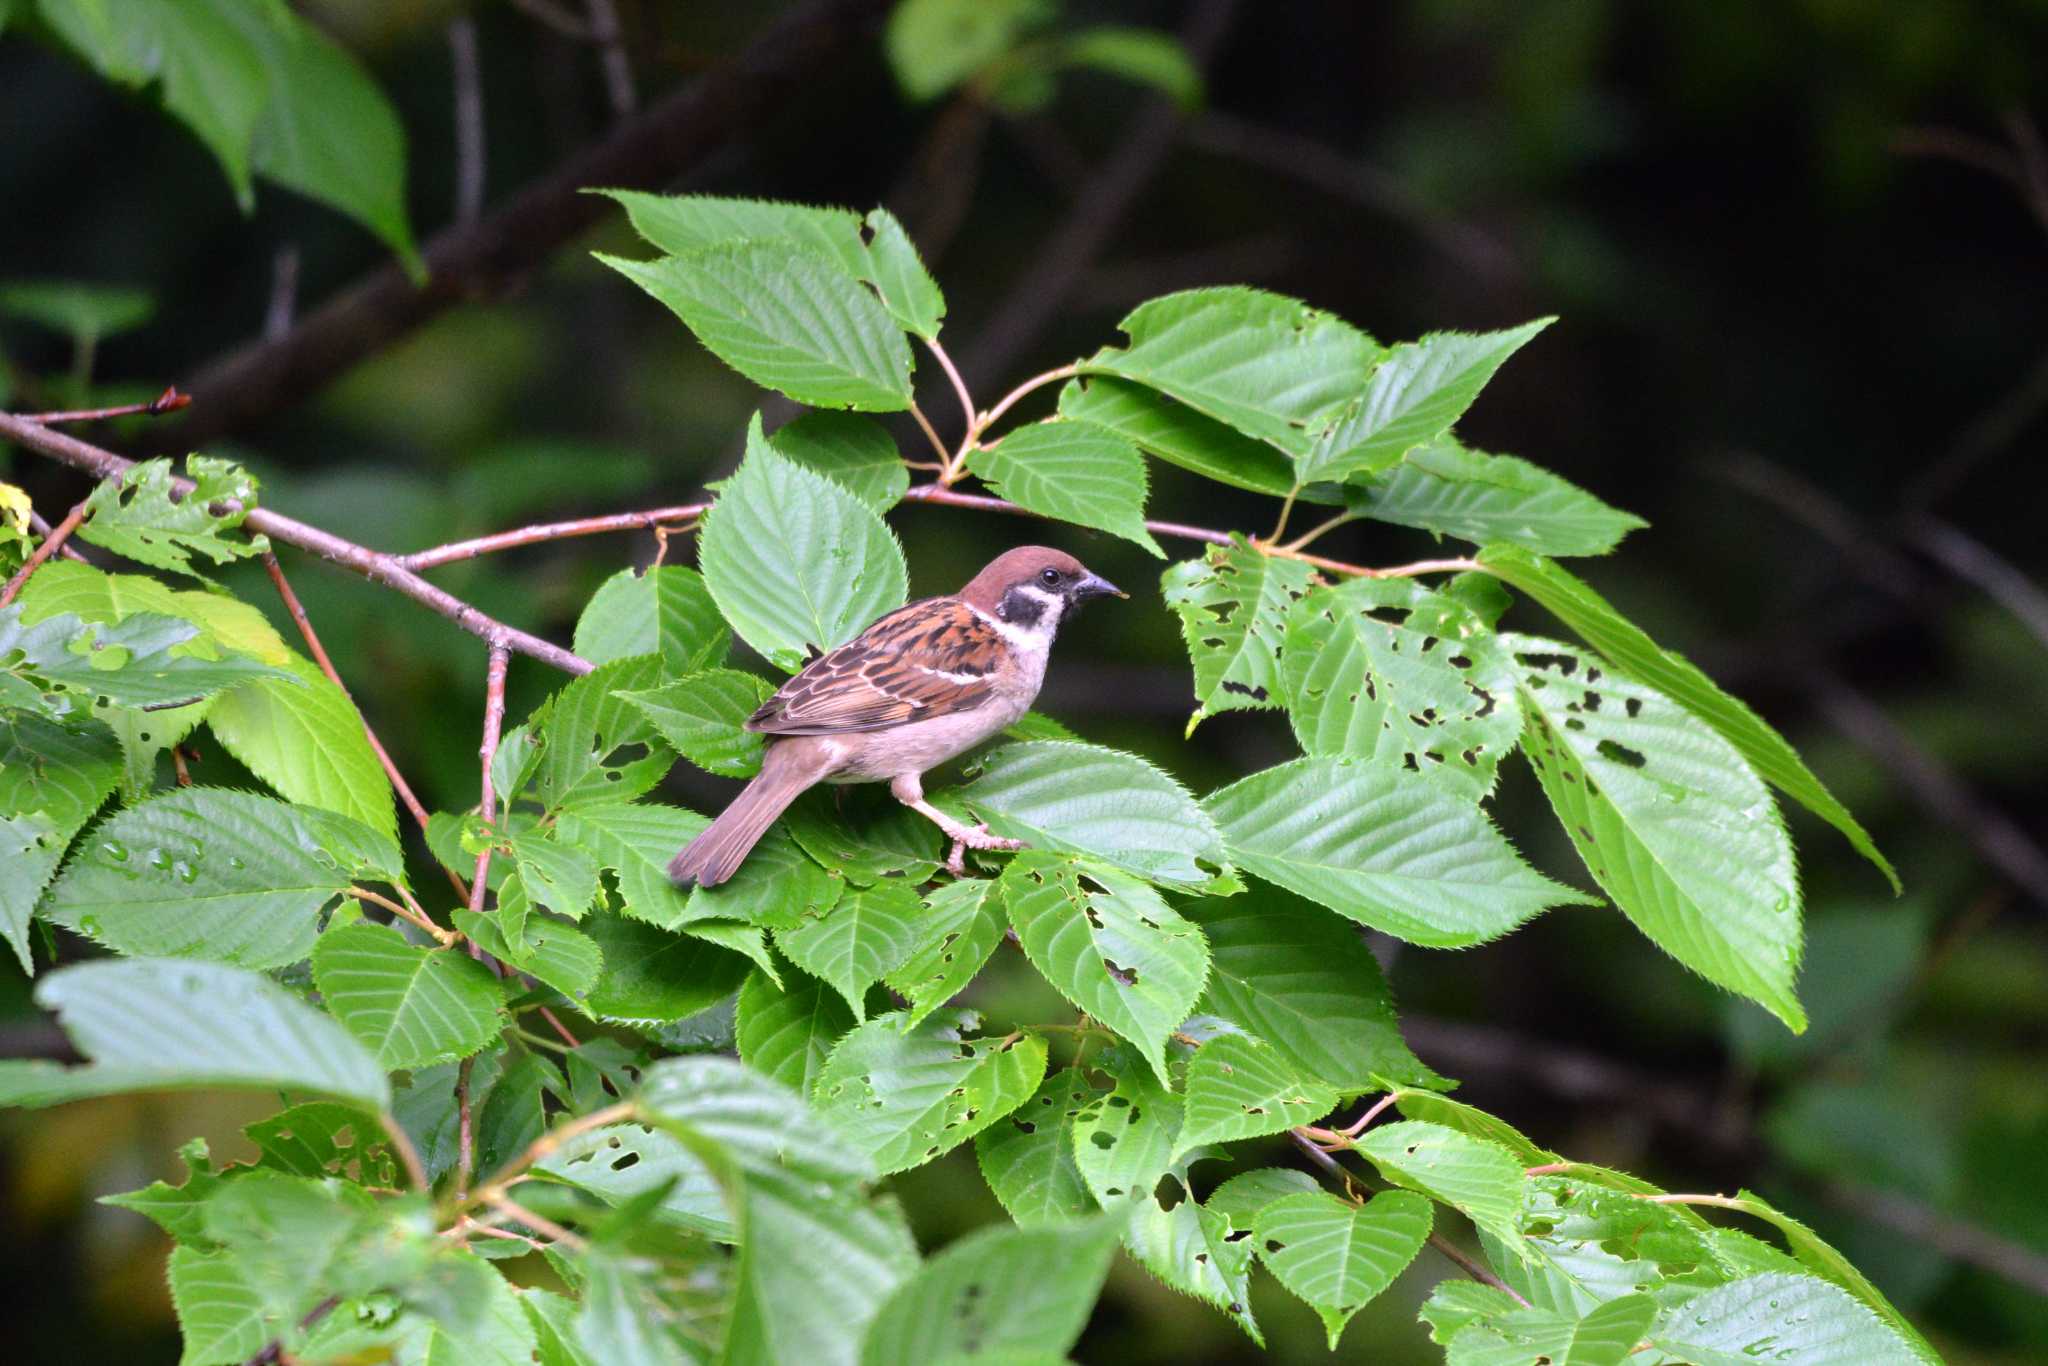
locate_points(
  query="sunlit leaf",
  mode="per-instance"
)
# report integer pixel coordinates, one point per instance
(412, 1006)
(1071, 472)
(1233, 605)
(1337, 1256)
(1488, 499)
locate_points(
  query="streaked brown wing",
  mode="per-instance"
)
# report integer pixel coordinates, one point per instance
(928, 659)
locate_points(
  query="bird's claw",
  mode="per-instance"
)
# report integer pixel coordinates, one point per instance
(976, 837)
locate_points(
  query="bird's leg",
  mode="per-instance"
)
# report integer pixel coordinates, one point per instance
(907, 788)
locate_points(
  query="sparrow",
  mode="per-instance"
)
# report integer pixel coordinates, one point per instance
(926, 682)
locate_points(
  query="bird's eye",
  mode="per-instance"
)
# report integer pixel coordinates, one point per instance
(1050, 578)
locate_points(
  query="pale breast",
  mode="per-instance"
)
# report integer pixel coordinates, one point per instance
(920, 745)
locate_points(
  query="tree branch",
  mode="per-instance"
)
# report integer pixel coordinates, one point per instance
(52, 543)
(550, 531)
(487, 803)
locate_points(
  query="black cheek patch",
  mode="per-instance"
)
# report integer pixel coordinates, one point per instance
(1020, 608)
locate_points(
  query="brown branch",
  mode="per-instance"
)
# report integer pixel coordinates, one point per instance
(465, 1136)
(484, 260)
(408, 1155)
(1975, 563)
(52, 543)
(169, 401)
(374, 565)
(550, 531)
(41, 527)
(556, 18)
(487, 805)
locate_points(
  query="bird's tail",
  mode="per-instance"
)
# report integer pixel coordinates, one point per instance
(716, 854)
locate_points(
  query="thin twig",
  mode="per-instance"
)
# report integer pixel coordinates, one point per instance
(925, 425)
(1975, 563)
(467, 78)
(284, 293)
(1965, 1242)
(273, 1351)
(487, 805)
(1473, 1268)
(417, 918)
(560, 1028)
(539, 1224)
(547, 1143)
(169, 401)
(465, 1138)
(611, 44)
(556, 18)
(52, 543)
(654, 519)
(41, 527)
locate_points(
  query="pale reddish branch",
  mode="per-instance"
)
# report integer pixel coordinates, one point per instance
(169, 401)
(373, 565)
(654, 519)
(273, 1352)
(52, 543)
(560, 1028)
(487, 805)
(465, 1138)
(41, 527)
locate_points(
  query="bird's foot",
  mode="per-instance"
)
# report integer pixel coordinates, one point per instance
(975, 837)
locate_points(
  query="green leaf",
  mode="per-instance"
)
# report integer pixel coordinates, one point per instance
(1386, 670)
(776, 888)
(1335, 1256)
(907, 288)
(1083, 799)
(137, 515)
(636, 840)
(1305, 982)
(1109, 944)
(996, 1290)
(787, 318)
(868, 934)
(1177, 434)
(1071, 472)
(665, 610)
(703, 715)
(1270, 366)
(554, 873)
(621, 1163)
(1481, 1180)
(584, 727)
(962, 924)
(1415, 394)
(145, 660)
(561, 955)
(903, 1097)
(1454, 491)
(760, 1124)
(1670, 821)
(1027, 1157)
(852, 451)
(654, 975)
(306, 739)
(1124, 1140)
(53, 777)
(1587, 613)
(82, 311)
(1454, 1114)
(626, 1319)
(1144, 56)
(412, 1006)
(1243, 1196)
(151, 1024)
(1191, 1249)
(1233, 605)
(220, 1316)
(1779, 1317)
(786, 1032)
(934, 45)
(863, 834)
(1592, 1243)
(1488, 1335)
(680, 224)
(326, 1138)
(1387, 848)
(208, 873)
(794, 560)
(1239, 1087)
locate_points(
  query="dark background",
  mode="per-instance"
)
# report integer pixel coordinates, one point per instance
(1798, 251)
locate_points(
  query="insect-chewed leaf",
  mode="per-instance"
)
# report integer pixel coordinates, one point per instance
(636, 840)
(137, 516)
(866, 935)
(1233, 605)
(1490, 499)
(590, 737)
(53, 777)
(665, 611)
(1336, 1256)
(413, 1006)
(143, 660)
(963, 922)
(1071, 471)
(1124, 1139)
(1482, 1180)
(1198, 1251)
(1027, 1157)
(1239, 1087)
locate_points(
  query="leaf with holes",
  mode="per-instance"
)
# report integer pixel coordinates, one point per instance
(1452, 490)
(1670, 821)
(868, 934)
(777, 888)
(1481, 1180)
(1071, 472)
(1110, 944)
(899, 275)
(786, 1032)
(1233, 605)
(1781, 1317)
(1305, 982)
(1337, 1257)
(785, 317)
(555, 873)
(412, 1006)
(1244, 1195)
(1386, 670)
(903, 1097)
(1027, 1157)
(621, 1163)
(665, 610)
(138, 515)
(1388, 848)
(203, 872)
(1124, 1141)
(635, 840)
(1592, 1244)
(703, 716)
(1607, 1335)
(795, 561)
(862, 834)
(1083, 799)
(595, 748)
(1606, 630)
(53, 777)
(1197, 1251)
(853, 451)
(1239, 1087)
(761, 1125)
(963, 922)
(144, 660)
(305, 738)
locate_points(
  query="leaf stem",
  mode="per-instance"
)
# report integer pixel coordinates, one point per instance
(545, 1144)
(1286, 511)
(925, 425)
(538, 1223)
(1301, 542)
(418, 918)
(1353, 1130)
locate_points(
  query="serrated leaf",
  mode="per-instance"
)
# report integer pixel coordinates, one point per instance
(907, 288)
(665, 610)
(853, 451)
(636, 840)
(561, 955)
(1124, 1139)
(862, 834)
(1414, 396)
(1606, 630)
(1438, 1108)
(627, 1316)
(652, 974)
(1233, 605)
(786, 318)
(150, 1024)
(1239, 1087)
(1171, 431)
(1191, 1249)
(1071, 471)
(1305, 982)
(903, 1097)
(1110, 944)
(1386, 670)
(1593, 1244)
(786, 1032)
(703, 715)
(1385, 847)
(776, 888)
(1027, 1157)
(759, 1124)
(305, 738)
(1481, 1180)
(325, 1138)
(997, 1290)
(624, 1162)
(220, 1316)
(868, 934)
(683, 223)
(144, 660)
(794, 560)
(137, 516)
(205, 872)
(1270, 366)
(1083, 799)
(1335, 1256)
(1244, 1195)
(53, 777)
(1778, 1317)
(962, 924)
(411, 1006)
(554, 873)
(1607, 1335)
(1451, 490)
(585, 727)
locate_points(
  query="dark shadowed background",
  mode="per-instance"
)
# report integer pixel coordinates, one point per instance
(1799, 249)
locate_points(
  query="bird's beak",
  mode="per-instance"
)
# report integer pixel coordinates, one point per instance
(1092, 586)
